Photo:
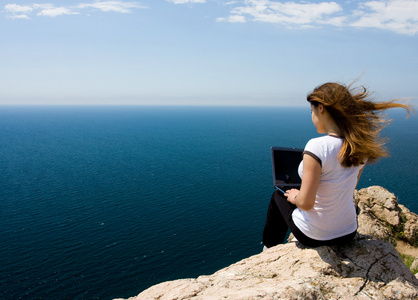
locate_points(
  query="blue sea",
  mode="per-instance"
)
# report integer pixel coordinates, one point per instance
(104, 202)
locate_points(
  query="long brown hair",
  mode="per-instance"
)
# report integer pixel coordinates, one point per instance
(356, 116)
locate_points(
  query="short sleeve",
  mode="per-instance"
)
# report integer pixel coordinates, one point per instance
(314, 149)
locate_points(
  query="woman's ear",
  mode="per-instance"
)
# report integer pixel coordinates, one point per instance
(321, 108)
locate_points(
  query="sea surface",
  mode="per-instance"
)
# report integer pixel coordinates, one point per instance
(104, 202)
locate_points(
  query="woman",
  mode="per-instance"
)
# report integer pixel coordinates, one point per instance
(322, 211)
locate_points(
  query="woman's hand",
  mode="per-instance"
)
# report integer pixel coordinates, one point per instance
(291, 195)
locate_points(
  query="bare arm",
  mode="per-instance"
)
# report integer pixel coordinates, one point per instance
(305, 198)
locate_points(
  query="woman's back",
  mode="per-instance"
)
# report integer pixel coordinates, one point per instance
(333, 214)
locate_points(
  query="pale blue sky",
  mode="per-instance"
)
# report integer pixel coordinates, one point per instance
(203, 52)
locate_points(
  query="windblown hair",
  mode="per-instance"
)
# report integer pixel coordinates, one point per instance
(357, 117)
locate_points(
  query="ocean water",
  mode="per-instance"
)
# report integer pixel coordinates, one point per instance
(103, 202)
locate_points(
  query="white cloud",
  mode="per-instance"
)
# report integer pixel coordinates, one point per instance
(286, 13)
(56, 11)
(15, 8)
(50, 10)
(16, 11)
(115, 6)
(400, 16)
(186, 1)
(17, 16)
(232, 19)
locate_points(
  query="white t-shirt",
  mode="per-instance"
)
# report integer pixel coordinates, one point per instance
(333, 214)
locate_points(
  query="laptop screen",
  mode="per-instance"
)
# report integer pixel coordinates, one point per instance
(285, 163)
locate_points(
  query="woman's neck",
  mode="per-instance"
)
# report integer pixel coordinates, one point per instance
(332, 128)
(334, 135)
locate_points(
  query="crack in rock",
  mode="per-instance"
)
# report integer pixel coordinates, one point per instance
(367, 279)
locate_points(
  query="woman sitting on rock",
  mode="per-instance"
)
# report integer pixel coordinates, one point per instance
(322, 211)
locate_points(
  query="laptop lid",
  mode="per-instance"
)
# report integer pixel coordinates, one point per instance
(285, 163)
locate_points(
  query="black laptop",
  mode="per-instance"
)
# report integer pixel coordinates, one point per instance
(285, 162)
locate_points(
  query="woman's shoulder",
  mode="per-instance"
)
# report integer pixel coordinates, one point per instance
(326, 139)
(324, 144)
(319, 140)
(315, 144)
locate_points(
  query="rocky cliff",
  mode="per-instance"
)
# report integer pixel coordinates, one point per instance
(368, 268)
